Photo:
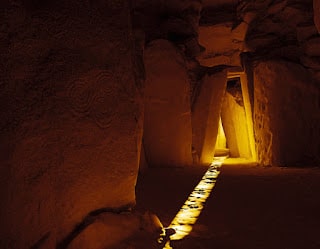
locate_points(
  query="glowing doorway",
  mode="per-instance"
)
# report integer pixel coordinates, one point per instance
(235, 136)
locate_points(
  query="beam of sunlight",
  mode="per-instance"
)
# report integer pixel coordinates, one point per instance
(191, 209)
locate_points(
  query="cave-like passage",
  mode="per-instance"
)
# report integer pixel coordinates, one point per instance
(191, 209)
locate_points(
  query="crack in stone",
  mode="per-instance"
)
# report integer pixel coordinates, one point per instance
(88, 220)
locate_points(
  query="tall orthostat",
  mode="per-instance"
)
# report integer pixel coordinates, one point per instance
(167, 123)
(285, 106)
(70, 115)
(206, 115)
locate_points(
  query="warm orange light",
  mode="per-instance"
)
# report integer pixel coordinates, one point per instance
(237, 119)
(221, 138)
(191, 209)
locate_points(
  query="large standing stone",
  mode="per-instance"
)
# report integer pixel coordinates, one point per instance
(234, 120)
(206, 115)
(167, 126)
(69, 117)
(285, 107)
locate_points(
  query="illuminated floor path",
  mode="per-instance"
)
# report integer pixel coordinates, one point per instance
(250, 207)
(189, 213)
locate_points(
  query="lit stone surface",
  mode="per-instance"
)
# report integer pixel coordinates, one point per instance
(285, 106)
(71, 117)
(97, 234)
(167, 121)
(235, 126)
(206, 114)
(222, 44)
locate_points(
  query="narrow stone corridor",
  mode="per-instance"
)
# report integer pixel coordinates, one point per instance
(250, 207)
(109, 109)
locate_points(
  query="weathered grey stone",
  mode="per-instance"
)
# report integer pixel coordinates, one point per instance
(167, 127)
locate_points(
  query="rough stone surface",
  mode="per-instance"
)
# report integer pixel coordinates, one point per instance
(312, 47)
(316, 13)
(217, 3)
(69, 116)
(311, 62)
(206, 115)
(306, 32)
(222, 44)
(286, 106)
(176, 21)
(279, 28)
(120, 231)
(167, 123)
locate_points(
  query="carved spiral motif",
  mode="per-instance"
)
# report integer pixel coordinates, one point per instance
(95, 96)
(81, 96)
(106, 101)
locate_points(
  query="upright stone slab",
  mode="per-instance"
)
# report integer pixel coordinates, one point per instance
(167, 121)
(69, 134)
(285, 107)
(235, 126)
(206, 114)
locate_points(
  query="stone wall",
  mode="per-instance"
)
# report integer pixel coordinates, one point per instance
(286, 114)
(70, 115)
(284, 33)
(71, 112)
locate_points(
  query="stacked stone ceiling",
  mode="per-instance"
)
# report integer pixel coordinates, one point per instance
(216, 32)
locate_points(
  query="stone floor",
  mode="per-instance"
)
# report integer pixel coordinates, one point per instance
(250, 207)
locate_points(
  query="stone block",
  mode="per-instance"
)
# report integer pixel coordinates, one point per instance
(69, 118)
(167, 123)
(234, 122)
(206, 115)
(285, 105)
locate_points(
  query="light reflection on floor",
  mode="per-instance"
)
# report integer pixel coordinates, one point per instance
(191, 209)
